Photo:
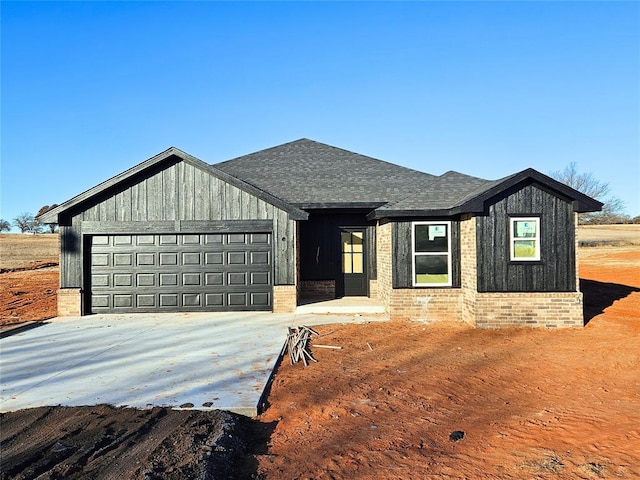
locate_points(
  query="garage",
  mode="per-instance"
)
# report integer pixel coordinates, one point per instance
(180, 272)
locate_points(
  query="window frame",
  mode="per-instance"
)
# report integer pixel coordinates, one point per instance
(415, 254)
(536, 239)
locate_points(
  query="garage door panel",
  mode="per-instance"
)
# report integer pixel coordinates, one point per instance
(145, 259)
(191, 279)
(122, 240)
(123, 280)
(214, 279)
(191, 272)
(146, 279)
(123, 300)
(122, 259)
(100, 260)
(146, 300)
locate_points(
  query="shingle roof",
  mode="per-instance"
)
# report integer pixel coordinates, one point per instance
(308, 173)
(442, 193)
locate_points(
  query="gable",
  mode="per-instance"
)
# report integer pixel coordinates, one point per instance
(169, 186)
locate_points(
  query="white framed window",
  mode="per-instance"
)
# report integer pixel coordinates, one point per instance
(431, 254)
(524, 239)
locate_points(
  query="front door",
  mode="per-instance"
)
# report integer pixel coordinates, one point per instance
(354, 276)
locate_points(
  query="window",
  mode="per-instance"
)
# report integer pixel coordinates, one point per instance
(525, 239)
(352, 252)
(431, 243)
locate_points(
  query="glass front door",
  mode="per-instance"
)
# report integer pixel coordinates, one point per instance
(353, 262)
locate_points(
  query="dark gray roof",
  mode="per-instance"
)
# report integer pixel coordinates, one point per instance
(441, 194)
(312, 174)
(309, 174)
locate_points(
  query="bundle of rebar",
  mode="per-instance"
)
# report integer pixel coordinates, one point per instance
(297, 345)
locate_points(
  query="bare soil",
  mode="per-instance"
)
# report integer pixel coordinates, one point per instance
(399, 400)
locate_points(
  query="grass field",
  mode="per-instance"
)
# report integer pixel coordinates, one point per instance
(17, 250)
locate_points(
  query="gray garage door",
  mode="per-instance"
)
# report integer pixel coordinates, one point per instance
(181, 272)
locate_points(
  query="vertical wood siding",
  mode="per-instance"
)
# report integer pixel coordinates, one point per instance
(402, 253)
(178, 192)
(556, 270)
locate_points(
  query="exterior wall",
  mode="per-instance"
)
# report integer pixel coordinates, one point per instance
(174, 193)
(403, 251)
(555, 272)
(546, 309)
(285, 299)
(383, 250)
(426, 304)
(373, 288)
(481, 309)
(69, 302)
(468, 268)
(317, 289)
(576, 249)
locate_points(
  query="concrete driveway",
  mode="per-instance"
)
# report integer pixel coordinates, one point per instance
(191, 360)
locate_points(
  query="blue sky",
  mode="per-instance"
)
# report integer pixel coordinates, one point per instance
(90, 89)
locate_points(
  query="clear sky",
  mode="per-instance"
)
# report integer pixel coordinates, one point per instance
(90, 89)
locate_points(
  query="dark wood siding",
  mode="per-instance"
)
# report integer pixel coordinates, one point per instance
(320, 244)
(176, 192)
(555, 272)
(402, 253)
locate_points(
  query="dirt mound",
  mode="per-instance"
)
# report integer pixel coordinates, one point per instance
(114, 443)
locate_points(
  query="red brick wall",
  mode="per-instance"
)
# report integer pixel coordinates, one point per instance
(554, 309)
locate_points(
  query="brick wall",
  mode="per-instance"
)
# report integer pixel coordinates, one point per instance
(285, 298)
(317, 289)
(373, 288)
(426, 304)
(383, 248)
(562, 309)
(69, 302)
(468, 267)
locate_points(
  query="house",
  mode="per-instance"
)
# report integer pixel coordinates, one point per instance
(305, 219)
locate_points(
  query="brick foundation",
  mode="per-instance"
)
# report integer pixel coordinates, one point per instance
(69, 302)
(285, 298)
(556, 310)
(318, 289)
(426, 305)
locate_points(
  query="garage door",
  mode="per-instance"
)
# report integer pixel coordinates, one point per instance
(181, 272)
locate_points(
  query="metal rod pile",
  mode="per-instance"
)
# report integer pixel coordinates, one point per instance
(297, 345)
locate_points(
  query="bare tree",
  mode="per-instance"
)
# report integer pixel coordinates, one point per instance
(4, 226)
(613, 209)
(27, 223)
(52, 226)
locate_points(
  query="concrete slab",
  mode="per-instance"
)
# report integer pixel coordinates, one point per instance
(344, 305)
(191, 360)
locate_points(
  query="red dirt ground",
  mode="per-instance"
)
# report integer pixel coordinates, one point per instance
(532, 403)
(28, 294)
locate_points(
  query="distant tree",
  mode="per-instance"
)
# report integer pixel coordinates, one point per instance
(4, 226)
(613, 209)
(27, 223)
(52, 226)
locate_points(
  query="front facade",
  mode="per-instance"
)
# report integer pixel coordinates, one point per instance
(308, 221)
